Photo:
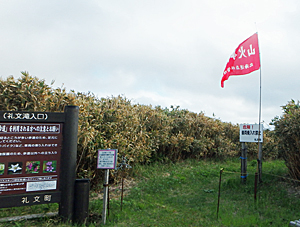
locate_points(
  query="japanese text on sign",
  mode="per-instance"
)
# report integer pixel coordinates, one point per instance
(29, 128)
(107, 159)
(25, 116)
(250, 133)
(29, 153)
(36, 199)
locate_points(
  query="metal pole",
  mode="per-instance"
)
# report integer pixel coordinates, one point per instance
(105, 196)
(68, 162)
(259, 123)
(260, 163)
(108, 200)
(255, 186)
(122, 192)
(258, 140)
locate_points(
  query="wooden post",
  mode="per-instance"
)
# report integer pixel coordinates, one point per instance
(244, 163)
(219, 195)
(105, 196)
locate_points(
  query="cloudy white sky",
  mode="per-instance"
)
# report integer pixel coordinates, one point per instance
(166, 52)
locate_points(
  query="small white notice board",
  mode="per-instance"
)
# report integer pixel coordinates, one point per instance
(249, 133)
(107, 159)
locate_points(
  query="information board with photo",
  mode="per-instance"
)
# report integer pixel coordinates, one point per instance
(29, 157)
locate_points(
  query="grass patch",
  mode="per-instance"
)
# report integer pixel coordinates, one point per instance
(186, 194)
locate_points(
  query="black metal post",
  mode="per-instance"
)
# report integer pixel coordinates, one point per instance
(68, 162)
(81, 200)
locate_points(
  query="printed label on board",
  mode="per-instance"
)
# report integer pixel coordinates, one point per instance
(41, 186)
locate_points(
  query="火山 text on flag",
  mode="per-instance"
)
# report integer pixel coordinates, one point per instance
(244, 60)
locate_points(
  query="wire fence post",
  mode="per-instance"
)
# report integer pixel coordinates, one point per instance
(123, 166)
(219, 195)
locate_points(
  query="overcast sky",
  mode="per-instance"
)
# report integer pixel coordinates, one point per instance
(166, 52)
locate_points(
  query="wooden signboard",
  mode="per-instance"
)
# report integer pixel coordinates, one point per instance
(32, 170)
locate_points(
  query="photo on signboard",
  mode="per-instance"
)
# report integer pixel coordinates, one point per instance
(15, 168)
(49, 166)
(32, 167)
(2, 167)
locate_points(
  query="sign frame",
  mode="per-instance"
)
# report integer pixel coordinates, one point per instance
(107, 158)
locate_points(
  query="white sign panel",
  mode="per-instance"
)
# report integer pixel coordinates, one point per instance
(40, 186)
(107, 159)
(249, 133)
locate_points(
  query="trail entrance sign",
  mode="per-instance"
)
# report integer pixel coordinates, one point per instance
(249, 133)
(37, 158)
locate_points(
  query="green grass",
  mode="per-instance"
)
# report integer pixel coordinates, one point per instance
(186, 194)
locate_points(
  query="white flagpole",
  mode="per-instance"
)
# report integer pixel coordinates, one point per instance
(258, 142)
(259, 114)
(259, 164)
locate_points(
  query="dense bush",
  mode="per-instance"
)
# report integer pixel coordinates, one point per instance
(287, 130)
(30, 93)
(140, 133)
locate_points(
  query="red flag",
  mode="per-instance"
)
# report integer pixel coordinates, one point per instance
(244, 60)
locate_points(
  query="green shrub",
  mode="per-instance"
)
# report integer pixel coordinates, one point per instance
(141, 133)
(287, 130)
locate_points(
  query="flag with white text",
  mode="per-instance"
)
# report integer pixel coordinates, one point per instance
(244, 60)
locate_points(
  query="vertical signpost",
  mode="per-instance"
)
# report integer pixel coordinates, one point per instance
(250, 133)
(107, 159)
(243, 163)
(38, 158)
